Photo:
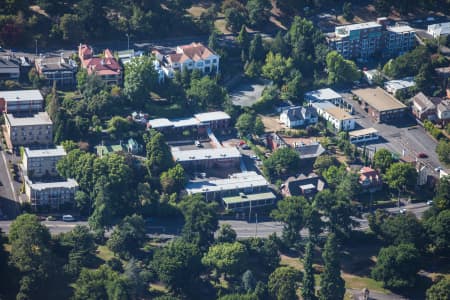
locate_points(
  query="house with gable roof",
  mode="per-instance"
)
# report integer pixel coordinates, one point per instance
(107, 68)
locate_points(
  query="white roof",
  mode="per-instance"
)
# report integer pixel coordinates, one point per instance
(441, 28)
(399, 84)
(212, 116)
(204, 154)
(323, 94)
(21, 95)
(345, 30)
(40, 186)
(185, 122)
(159, 123)
(363, 132)
(233, 182)
(400, 28)
(40, 118)
(58, 151)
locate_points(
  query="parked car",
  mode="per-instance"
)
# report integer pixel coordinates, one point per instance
(50, 218)
(198, 144)
(68, 218)
(422, 155)
(403, 211)
(430, 202)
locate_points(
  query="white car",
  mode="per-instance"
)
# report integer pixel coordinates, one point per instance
(430, 202)
(68, 218)
(403, 211)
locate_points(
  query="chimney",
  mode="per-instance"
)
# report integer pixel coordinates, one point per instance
(102, 62)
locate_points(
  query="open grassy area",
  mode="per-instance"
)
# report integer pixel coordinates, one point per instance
(221, 26)
(104, 253)
(196, 11)
(163, 110)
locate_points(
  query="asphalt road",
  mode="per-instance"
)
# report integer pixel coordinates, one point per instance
(8, 198)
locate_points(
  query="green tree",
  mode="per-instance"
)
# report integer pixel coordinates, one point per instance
(243, 38)
(226, 258)
(290, 211)
(277, 68)
(256, 51)
(70, 26)
(128, 236)
(173, 180)
(119, 127)
(308, 288)
(403, 229)
(438, 229)
(201, 220)
(259, 127)
(213, 43)
(159, 158)
(81, 247)
(140, 79)
(235, 17)
(30, 253)
(248, 281)
(347, 11)
(178, 265)
(279, 45)
(401, 175)
(283, 283)
(341, 70)
(283, 161)
(226, 234)
(443, 151)
(263, 254)
(439, 290)
(442, 196)
(332, 286)
(206, 93)
(258, 12)
(246, 124)
(323, 162)
(382, 159)
(397, 266)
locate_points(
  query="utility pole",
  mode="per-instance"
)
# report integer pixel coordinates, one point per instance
(128, 37)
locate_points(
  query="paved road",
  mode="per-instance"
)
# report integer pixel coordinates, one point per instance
(8, 198)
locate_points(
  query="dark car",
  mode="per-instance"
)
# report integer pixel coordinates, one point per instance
(422, 155)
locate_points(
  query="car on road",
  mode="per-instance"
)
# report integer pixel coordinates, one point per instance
(430, 202)
(422, 155)
(403, 211)
(254, 157)
(50, 218)
(198, 144)
(68, 218)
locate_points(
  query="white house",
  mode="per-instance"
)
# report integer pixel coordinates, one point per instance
(323, 95)
(443, 111)
(192, 56)
(393, 86)
(339, 118)
(298, 116)
(370, 75)
(436, 30)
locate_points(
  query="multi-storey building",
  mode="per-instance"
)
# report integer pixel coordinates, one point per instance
(339, 118)
(24, 101)
(364, 40)
(107, 68)
(59, 70)
(9, 68)
(24, 131)
(192, 56)
(436, 30)
(54, 194)
(42, 162)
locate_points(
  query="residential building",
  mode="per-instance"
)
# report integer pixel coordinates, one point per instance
(306, 148)
(306, 186)
(394, 86)
(443, 111)
(436, 30)
(324, 95)
(56, 194)
(248, 201)
(214, 119)
(296, 116)
(106, 68)
(399, 39)
(424, 108)
(357, 40)
(130, 147)
(364, 40)
(339, 118)
(381, 106)
(42, 162)
(363, 135)
(60, 70)
(309, 151)
(192, 56)
(9, 68)
(22, 101)
(213, 190)
(206, 158)
(30, 130)
(370, 179)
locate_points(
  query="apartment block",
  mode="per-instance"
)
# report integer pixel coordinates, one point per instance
(339, 118)
(399, 39)
(29, 130)
(50, 194)
(21, 101)
(59, 70)
(42, 162)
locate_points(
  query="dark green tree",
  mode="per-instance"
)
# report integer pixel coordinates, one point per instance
(438, 229)
(128, 236)
(332, 286)
(442, 197)
(401, 176)
(159, 158)
(206, 93)
(283, 283)
(226, 234)
(140, 79)
(439, 290)
(347, 11)
(256, 50)
(282, 162)
(382, 159)
(308, 286)
(226, 258)
(173, 180)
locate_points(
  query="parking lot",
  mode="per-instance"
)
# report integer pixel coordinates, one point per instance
(246, 93)
(406, 138)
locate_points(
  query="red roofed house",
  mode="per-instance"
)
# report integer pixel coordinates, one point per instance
(370, 179)
(192, 56)
(106, 67)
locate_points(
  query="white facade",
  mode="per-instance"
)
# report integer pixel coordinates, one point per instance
(393, 86)
(340, 119)
(37, 163)
(52, 194)
(21, 101)
(298, 116)
(323, 95)
(436, 30)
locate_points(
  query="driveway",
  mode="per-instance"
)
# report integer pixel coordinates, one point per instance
(247, 92)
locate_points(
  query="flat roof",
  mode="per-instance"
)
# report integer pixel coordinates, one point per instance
(339, 114)
(378, 99)
(399, 84)
(345, 29)
(204, 154)
(233, 182)
(58, 151)
(362, 132)
(21, 95)
(212, 116)
(249, 197)
(323, 94)
(185, 122)
(40, 118)
(40, 186)
(400, 28)
(160, 123)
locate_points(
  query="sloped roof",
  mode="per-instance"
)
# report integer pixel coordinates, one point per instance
(294, 184)
(423, 102)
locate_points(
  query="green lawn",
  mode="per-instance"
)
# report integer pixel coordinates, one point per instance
(104, 253)
(157, 110)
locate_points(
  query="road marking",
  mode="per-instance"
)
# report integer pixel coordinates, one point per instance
(9, 177)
